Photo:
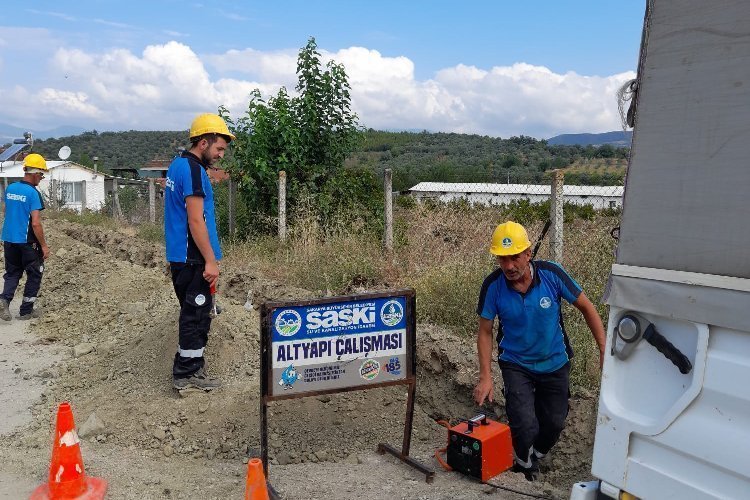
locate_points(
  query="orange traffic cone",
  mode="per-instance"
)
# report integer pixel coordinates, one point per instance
(256, 488)
(67, 479)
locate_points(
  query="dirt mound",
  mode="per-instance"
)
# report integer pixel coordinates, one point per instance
(117, 319)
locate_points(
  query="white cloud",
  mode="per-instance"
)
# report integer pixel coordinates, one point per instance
(531, 100)
(59, 15)
(176, 34)
(166, 85)
(277, 67)
(233, 16)
(62, 103)
(113, 24)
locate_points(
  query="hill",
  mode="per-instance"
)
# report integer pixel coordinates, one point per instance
(131, 149)
(413, 157)
(616, 138)
(10, 132)
(448, 157)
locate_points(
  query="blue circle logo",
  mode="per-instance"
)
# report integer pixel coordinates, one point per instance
(545, 302)
(507, 242)
(288, 322)
(391, 313)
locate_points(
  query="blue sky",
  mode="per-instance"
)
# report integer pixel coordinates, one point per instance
(497, 68)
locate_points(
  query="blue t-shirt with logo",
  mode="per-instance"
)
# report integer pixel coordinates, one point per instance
(187, 177)
(531, 332)
(21, 198)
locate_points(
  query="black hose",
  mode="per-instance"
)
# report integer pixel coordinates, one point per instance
(505, 488)
(541, 237)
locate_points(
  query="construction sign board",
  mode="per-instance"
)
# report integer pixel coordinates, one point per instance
(340, 344)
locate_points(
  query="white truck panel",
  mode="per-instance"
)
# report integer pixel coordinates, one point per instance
(683, 267)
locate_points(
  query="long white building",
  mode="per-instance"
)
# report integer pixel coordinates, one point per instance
(599, 197)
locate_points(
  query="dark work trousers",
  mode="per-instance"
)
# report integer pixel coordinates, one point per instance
(194, 294)
(20, 257)
(536, 405)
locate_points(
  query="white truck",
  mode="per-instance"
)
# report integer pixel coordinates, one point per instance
(674, 408)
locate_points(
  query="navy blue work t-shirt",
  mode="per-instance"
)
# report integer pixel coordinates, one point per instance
(21, 198)
(531, 333)
(187, 177)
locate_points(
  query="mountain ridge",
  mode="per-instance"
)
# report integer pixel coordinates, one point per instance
(615, 138)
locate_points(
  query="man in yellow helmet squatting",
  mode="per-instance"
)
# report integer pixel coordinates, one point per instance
(23, 238)
(192, 242)
(533, 349)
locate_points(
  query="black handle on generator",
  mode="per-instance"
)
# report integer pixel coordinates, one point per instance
(668, 349)
(480, 419)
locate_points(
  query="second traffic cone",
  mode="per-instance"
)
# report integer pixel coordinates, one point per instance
(255, 488)
(67, 478)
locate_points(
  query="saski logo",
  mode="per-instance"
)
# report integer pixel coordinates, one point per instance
(348, 316)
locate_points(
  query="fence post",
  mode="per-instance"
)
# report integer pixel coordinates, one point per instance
(115, 199)
(232, 204)
(152, 200)
(53, 195)
(556, 216)
(388, 188)
(83, 197)
(282, 206)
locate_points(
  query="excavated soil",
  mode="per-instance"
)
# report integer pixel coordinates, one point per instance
(107, 338)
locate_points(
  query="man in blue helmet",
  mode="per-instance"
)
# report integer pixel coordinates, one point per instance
(533, 349)
(192, 243)
(24, 244)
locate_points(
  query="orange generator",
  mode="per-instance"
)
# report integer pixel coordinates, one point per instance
(480, 448)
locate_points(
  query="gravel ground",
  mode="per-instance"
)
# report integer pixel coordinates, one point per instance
(106, 341)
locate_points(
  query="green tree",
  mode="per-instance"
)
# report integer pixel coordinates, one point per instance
(309, 136)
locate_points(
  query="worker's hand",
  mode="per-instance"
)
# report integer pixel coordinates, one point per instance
(484, 390)
(45, 252)
(211, 273)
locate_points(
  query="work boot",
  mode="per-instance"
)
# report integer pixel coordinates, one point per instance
(198, 380)
(530, 473)
(4, 310)
(35, 313)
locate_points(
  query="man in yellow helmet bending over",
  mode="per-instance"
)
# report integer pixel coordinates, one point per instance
(23, 238)
(533, 349)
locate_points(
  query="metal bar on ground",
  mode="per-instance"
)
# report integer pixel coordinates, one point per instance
(429, 473)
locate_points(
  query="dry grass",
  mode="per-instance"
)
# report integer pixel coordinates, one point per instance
(441, 253)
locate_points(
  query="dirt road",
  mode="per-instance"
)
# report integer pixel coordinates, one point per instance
(105, 344)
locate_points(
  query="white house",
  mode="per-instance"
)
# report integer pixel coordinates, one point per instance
(73, 183)
(598, 197)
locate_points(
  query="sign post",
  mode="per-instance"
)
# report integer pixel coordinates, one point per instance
(340, 344)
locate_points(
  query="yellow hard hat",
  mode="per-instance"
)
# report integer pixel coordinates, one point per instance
(209, 123)
(509, 238)
(35, 161)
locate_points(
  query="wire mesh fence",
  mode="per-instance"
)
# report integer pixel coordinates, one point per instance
(135, 201)
(482, 205)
